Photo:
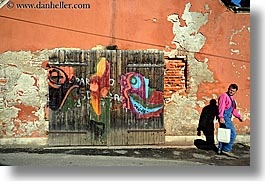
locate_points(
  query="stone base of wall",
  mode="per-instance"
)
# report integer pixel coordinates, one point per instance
(24, 141)
(169, 140)
(189, 140)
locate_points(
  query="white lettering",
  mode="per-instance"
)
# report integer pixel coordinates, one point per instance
(112, 81)
(117, 97)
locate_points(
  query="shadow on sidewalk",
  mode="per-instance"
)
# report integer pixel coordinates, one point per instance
(203, 145)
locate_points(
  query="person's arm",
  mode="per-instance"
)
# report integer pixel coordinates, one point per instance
(237, 115)
(221, 107)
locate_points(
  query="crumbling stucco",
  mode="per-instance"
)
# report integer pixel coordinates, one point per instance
(196, 29)
(235, 46)
(23, 91)
(181, 116)
(188, 37)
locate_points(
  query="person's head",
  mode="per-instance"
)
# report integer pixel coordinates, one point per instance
(232, 89)
(212, 102)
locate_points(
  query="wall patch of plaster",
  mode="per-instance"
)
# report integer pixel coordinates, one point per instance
(23, 93)
(181, 117)
(235, 46)
(187, 37)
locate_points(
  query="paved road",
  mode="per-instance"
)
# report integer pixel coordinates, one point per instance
(152, 156)
(63, 160)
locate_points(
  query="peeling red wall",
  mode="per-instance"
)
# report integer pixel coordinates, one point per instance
(228, 49)
(138, 24)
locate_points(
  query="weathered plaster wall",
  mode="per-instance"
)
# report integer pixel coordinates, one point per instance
(23, 91)
(181, 115)
(230, 34)
(215, 41)
(215, 28)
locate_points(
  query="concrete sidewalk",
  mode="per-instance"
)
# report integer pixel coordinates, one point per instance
(169, 141)
(152, 153)
(179, 148)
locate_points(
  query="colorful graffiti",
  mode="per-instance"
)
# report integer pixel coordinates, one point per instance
(139, 98)
(65, 89)
(100, 104)
(100, 84)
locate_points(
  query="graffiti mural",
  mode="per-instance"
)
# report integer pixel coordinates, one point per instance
(65, 90)
(97, 98)
(100, 84)
(68, 91)
(100, 103)
(139, 98)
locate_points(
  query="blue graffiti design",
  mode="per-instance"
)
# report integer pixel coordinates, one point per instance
(141, 109)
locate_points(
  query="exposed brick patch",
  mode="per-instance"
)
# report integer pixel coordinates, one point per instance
(176, 76)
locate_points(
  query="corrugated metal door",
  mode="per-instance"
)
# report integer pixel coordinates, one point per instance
(105, 97)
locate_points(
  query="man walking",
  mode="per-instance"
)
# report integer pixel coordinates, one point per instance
(227, 108)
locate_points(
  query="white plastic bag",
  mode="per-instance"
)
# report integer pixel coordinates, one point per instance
(223, 135)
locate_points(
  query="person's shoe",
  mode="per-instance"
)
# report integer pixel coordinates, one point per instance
(230, 154)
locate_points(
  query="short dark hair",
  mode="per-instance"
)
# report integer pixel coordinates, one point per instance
(233, 86)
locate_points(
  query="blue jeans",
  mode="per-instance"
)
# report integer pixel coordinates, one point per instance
(227, 147)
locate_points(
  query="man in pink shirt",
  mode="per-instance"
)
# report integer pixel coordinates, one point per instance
(227, 109)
